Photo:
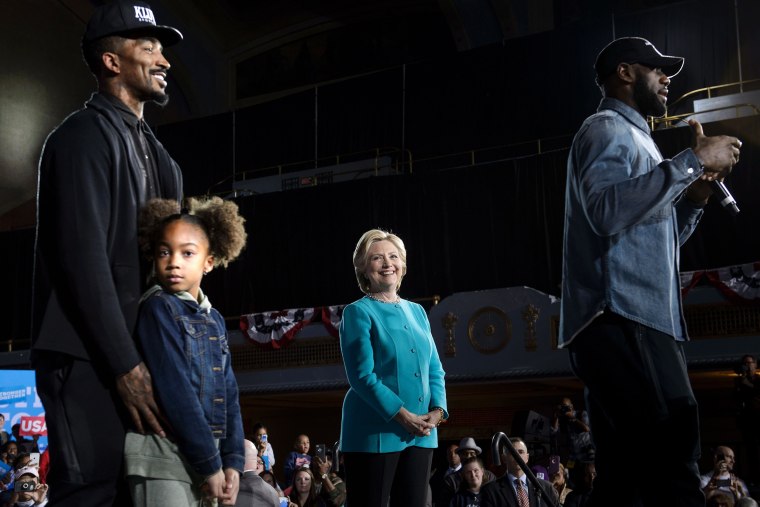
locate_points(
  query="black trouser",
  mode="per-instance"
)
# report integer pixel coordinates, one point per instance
(373, 478)
(643, 414)
(86, 427)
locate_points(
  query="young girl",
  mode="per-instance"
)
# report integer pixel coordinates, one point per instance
(185, 347)
(298, 457)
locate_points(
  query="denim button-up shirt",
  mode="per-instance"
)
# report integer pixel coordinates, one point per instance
(625, 219)
(186, 350)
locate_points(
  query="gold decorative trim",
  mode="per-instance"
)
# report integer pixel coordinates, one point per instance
(449, 323)
(530, 316)
(484, 333)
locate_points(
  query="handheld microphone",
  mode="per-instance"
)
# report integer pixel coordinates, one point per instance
(726, 199)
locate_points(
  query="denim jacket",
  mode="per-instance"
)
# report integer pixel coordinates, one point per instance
(625, 219)
(185, 348)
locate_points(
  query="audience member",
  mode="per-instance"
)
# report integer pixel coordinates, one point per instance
(261, 439)
(468, 493)
(467, 449)
(438, 476)
(747, 389)
(9, 452)
(717, 498)
(298, 457)
(254, 492)
(8, 456)
(24, 444)
(27, 489)
(269, 478)
(582, 477)
(330, 487)
(559, 481)
(570, 433)
(44, 465)
(4, 437)
(303, 491)
(722, 476)
(455, 461)
(746, 502)
(22, 461)
(512, 489)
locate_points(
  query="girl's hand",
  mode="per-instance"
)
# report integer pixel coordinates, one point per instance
(231, 486)
(214, 485)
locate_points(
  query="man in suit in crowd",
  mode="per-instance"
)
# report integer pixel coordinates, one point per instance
(513, 489)
(253, 489)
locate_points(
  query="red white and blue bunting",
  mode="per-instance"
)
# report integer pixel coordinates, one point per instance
(279, 329)
(739, 284)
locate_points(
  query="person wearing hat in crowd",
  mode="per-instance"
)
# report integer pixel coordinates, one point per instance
(627, 211)
(453, 482)
(27, 490)
(97, 168)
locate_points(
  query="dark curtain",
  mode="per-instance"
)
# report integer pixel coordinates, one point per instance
(491, 225)
(495, 225)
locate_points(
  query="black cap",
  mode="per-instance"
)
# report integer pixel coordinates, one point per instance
(634, 50)
(128, 18)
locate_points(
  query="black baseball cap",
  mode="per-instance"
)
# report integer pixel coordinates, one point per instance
(634, 50)
(128, 18)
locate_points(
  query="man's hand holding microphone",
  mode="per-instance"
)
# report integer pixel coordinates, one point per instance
(718, 155)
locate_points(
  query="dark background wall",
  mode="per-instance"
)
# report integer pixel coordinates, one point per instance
(496, 223)
(492, 224)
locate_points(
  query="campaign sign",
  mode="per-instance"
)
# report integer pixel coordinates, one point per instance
(19, 402)
(33, 425)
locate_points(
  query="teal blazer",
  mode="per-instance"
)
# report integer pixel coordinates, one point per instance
(391, 362)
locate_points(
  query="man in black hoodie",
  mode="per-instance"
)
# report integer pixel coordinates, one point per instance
(97, 168)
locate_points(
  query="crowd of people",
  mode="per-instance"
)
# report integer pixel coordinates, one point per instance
(468, 478)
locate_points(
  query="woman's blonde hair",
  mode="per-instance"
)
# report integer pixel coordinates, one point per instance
(361, 260)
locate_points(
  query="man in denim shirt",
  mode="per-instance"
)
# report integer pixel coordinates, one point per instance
(627, 211)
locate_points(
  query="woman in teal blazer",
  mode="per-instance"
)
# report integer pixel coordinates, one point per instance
(397, 396)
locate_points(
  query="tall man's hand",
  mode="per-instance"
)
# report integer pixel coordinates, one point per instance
(136, 391)
(717, 153)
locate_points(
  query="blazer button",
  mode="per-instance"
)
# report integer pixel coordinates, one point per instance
(417, 374)
(420, 398)
(413, 351)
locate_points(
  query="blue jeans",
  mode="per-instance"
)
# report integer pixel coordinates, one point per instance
(643, 414)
